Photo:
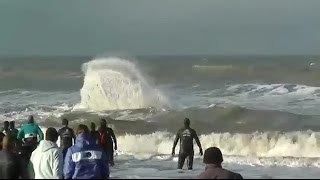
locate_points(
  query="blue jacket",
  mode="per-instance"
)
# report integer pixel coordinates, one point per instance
(85, 160)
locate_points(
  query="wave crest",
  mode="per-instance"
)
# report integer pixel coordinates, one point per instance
(114, 83)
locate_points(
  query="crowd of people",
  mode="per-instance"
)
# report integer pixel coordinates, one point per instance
(85, 154)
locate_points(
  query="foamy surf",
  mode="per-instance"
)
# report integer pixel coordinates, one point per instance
(291, 149)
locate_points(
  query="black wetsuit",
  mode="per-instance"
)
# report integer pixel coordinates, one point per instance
(186, 136)
(96, 136)
(67, 137)
(107, 138)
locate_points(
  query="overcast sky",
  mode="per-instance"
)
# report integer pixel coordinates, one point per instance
(162, 27)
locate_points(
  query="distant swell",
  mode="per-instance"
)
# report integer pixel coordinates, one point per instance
(114, 83)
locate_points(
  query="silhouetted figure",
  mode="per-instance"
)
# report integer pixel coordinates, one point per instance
(94, 133)
(186, 136)
(107, 139)
(213, 160)
(13, 131)
(11, 166)
(5, 129)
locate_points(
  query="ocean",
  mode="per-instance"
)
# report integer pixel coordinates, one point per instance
(261, 111)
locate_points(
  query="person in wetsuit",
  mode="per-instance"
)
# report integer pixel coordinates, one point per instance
(107, 138)
(67, 137)
(186, 136)
(94, 133)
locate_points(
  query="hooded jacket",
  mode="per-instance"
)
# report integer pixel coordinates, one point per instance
(30, 130)
(46, 161)
(85, 160)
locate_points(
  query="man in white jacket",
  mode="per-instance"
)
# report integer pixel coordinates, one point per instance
(46, 159)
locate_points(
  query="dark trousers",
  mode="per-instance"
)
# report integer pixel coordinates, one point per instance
(182, 158)
(64, 153)
(109, 152)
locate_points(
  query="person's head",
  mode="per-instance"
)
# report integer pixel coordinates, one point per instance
(65, 122)
(51, 135)
(6, 125)
(103, 122)
(30, 119)
(93, 126)
(12, 125)
(213, 155)
(82, 129)
(187, 122)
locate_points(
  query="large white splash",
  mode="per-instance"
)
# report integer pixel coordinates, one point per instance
(115, 83)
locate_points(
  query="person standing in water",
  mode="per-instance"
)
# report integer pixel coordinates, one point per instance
(186, 136)
(107, 138)
(67, 137)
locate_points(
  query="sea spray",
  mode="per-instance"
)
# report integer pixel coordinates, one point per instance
(114, 83)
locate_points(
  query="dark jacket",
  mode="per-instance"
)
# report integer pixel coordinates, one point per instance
(10, 165)
(107, 138)
(85, 160)
(213, 171)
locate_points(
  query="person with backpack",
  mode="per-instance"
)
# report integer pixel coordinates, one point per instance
(107, 139)
(29, 135)
(67, 137)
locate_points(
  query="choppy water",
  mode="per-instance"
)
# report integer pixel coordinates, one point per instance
(261, 111)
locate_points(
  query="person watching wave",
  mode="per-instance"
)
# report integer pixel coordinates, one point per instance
(186, 136)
